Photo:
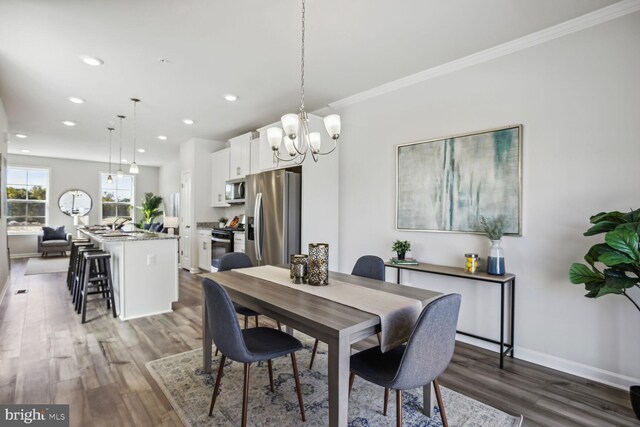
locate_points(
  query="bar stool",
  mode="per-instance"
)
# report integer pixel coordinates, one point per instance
(73, 259)
(96, 274)
(78, 276)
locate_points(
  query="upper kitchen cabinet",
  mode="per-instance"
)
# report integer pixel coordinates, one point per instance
(240, 155)
(219, 176)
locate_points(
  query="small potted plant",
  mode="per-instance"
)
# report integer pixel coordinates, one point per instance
(401, 247)
(494, 228)
(222, 222)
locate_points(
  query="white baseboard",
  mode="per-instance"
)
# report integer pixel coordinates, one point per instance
(569, 366)
(195, 270)
(30, 255)
(3, 291)
(564, 365)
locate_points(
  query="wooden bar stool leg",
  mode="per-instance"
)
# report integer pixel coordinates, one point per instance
(443, 416)
(217, 387)
(256, 317)
(386, 401)
(112, 297)
(85, 287)
(245, 394)
(270, 374)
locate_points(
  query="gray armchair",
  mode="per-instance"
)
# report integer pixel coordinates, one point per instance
(54, 246)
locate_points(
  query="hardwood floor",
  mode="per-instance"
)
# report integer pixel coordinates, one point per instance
(48, 356)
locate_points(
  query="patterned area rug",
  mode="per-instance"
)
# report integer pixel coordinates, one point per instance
(189, 391)
(58, 264)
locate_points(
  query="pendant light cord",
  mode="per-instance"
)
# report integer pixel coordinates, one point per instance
(302, 62)
(120, 161)
(110, 135)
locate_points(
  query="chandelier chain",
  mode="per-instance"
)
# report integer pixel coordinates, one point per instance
(302, 62)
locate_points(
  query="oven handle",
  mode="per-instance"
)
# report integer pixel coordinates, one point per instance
(257, 223)
(215, 239)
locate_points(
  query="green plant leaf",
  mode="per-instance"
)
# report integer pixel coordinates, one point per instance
(594, 253)
(601, 227)
(612, 257)
(606, 291)
(580, 273)
(633, 216)
(613, 216)
(633, 226)
(625, 241)
(615, 279)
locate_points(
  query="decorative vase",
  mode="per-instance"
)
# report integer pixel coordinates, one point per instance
(495, 263)
(634, 394)
(401, 255)
(318, 264)
(299, 268)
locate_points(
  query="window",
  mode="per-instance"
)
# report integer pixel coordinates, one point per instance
(27, 198)
(117, 197)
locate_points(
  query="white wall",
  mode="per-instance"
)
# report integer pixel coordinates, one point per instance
(168, 181)
(578, 98)
(75, 174)
(4, 259)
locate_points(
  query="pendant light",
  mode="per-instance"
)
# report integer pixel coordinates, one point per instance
(109, 178)
(120, 173)
(297, 138)
(133, 169)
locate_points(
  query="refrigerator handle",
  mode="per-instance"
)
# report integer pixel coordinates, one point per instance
(257, 224)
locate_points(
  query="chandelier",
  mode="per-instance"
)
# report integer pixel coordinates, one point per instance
(296, 136)
(133, 168)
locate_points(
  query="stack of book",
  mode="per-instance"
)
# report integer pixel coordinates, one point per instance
(406, 261)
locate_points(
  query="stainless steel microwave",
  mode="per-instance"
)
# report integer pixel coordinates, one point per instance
(234, 192)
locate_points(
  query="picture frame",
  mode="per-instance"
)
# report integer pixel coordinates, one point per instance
(447, 184)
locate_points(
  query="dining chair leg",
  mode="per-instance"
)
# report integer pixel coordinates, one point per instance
(245, 394)
(351, 378)
(298, 388)
(313, 354)
(399, 408)
(386, 401)
(443, 416)
(279, 325)
(216, 351)
(217, 386)
(270, 374)
(256, 317)
(246, 322)
(379, 339)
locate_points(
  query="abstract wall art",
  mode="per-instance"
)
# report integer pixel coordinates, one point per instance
(447, 184)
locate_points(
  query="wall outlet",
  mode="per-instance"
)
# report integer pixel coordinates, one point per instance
(151, 259)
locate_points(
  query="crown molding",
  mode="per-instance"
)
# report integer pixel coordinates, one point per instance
(591, 19)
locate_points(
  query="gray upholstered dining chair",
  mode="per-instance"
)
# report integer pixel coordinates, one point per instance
(369, 266)
(231, 261)
(245, 345)
(421, 361)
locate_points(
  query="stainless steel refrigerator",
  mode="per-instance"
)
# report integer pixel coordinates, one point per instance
(272, 209)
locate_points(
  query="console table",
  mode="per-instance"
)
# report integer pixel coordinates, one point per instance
(505, 348)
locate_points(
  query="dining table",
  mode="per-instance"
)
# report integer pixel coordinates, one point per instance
(338, 325)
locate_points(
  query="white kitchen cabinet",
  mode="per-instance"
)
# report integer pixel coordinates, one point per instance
(238, 242)
(204, 249)
(240, 155)
(255, 155)
(219, 176)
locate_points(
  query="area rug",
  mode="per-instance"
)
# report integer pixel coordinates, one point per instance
(189, 390)
(47, 265)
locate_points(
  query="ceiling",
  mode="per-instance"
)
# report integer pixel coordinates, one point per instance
(250, 48)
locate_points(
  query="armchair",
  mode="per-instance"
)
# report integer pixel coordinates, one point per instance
(58, 246)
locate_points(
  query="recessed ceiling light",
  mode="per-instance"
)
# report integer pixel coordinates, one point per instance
(162, 137)
(230, 97)
(188, 122)
(124, 160)
(21, 135)
(91, 60)
(76, 100)
(25, 151)
(141, 150)
(68, 123)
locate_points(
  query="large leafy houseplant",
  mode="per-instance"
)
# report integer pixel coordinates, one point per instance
(150, 207)
(619, 254)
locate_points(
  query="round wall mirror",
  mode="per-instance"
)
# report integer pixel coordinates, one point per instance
(75, 203)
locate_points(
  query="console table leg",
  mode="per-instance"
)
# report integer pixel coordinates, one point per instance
(501, 324)
(513, 314)
(398, 276)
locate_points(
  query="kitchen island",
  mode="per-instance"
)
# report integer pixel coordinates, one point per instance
(144, 266)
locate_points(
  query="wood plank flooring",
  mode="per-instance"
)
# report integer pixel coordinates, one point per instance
(48, 356)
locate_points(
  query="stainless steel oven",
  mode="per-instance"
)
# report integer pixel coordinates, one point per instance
(221, 243)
